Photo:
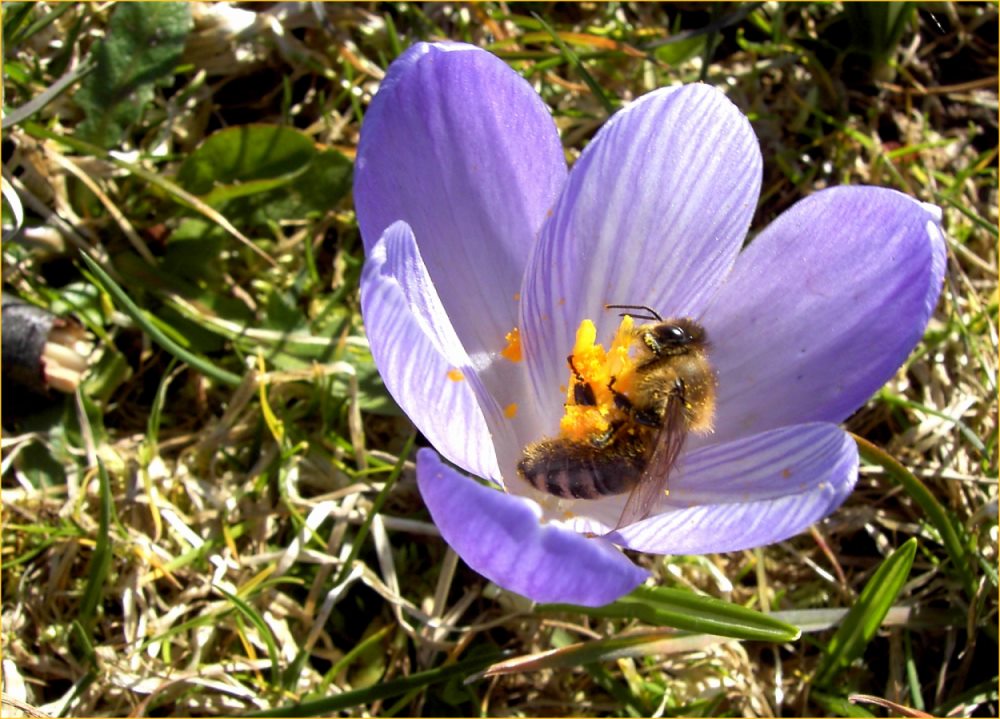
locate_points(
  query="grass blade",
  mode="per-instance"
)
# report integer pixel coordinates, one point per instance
(839, 706)
(574, 60)
(581, 653)
(100, 563)
(864, 618)
(662, 606)
(172, 189)
(380, 498)
(254, 618)
(382, 690)
(139, 317)
(946, 527)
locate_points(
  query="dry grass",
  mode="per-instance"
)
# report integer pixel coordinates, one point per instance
(266, 541)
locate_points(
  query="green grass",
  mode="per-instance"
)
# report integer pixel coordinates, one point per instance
(225, 520)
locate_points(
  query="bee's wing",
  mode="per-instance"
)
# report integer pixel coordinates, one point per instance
(665, 450)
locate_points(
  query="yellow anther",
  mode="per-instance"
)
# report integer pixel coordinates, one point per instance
(512, 351)
(607, 373)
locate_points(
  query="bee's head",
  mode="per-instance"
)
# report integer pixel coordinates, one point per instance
(672, 337)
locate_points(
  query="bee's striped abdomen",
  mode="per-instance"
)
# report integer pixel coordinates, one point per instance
(575, 470)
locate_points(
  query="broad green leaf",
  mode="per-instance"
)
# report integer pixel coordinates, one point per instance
(258, 174)
(865, 617)
(662, 606)
(243, 160)
(326, 181)
(106, 375)
(142, 47)
(168, 187)
(373, 639)
(43, 460)
(312, 193)
(281, 313)
(192, 275)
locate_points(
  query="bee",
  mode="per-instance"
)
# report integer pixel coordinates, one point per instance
(672, 394)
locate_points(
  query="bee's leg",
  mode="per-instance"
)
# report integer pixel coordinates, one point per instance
(648, 417)
(583, 393)
(679, 392)
(621, 401)
(604, 439)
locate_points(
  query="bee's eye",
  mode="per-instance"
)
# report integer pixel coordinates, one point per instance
(675, 335)
(667, 339)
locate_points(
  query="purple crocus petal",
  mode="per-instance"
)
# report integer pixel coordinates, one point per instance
(500, 536)
(750, 492)
(419, 356)
(654, 213)
(823, 307)
(462, 149)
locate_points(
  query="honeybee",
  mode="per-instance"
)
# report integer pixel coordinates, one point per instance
(672, 393)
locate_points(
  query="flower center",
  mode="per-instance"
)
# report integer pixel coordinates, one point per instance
(596, 376)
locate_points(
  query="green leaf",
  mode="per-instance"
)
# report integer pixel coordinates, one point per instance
(143, 45)
(40, 463)
(243, 160)
(327, 181)
(266, 173)
(663, 606)
(865, 617)
(314, 192)
(281, 312)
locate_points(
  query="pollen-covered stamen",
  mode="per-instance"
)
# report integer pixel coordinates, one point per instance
(604, 374)
(512, 351)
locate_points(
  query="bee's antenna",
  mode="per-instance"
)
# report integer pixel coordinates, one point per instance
(654, 315)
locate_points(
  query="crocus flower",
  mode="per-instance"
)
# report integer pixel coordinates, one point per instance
(484, 255)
